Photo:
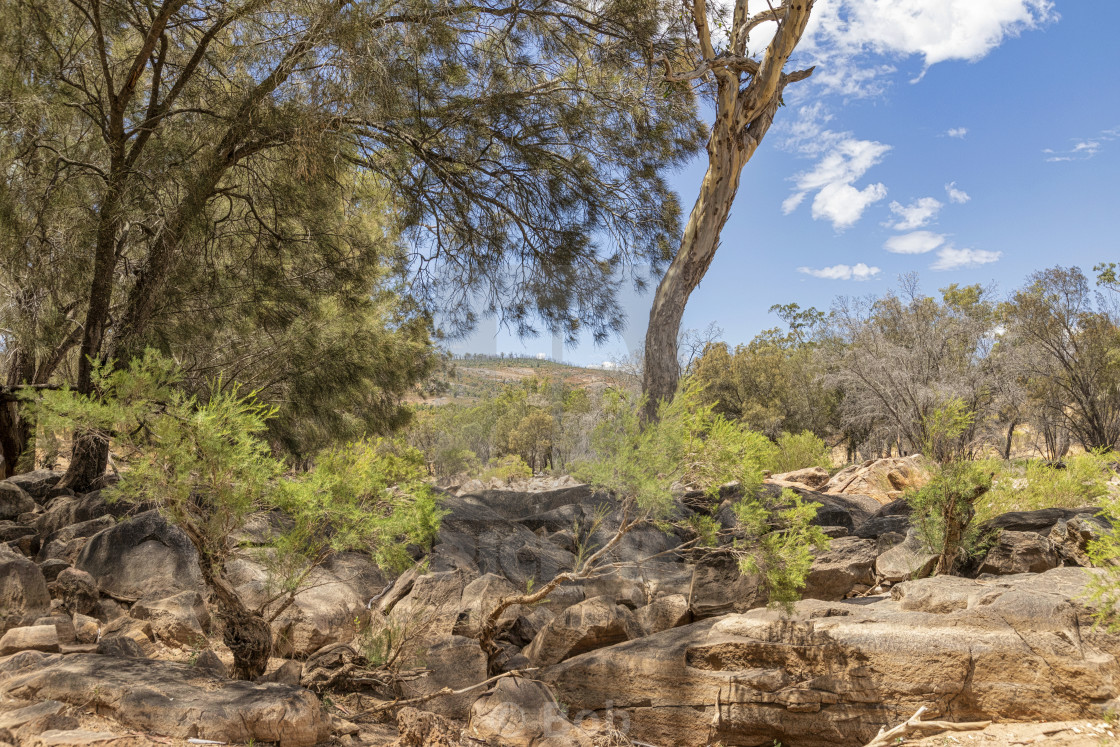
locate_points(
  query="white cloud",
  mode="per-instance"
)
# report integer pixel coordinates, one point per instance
(917, 242)
(915, 215)
(843, 204)
(842, 34)
(951, 258)
(1083, 149)
(957, 132)
(858, 271)
(958, 196)
(846, 161)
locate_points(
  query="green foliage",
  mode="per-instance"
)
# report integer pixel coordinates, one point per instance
(943, 510)
(370, 496)
(1029, 485)
(543, 423)
(1104, 551)
(786, 541)
(508, 469)
(1068, 336)
(773, 383)
(945, 429)
(690, 445)
(800, 450)
(206, 465)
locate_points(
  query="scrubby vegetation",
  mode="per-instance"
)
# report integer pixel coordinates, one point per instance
(205, 463)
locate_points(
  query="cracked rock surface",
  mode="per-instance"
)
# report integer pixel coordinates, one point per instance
(1018, 647)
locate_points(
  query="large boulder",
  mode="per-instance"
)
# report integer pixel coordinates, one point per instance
(591, 624)
(1071, 538)
(893, 518)
(906, 560)
(663, 613)
(813, 478)
(849, 562)
(23, 591)
(719, 587)
(1019, 552)
(175, 700)
(145, 556)
(181, 620)
(520, 712)
(474, 539)
(14, 501)
(1022, 648)
(30, 638)
(67, 543)
(21, 721)
(883, 479)
(453, 662)
(1041, 521)
(68, 510)
(77, 591)
(38, 483)
(847, 511)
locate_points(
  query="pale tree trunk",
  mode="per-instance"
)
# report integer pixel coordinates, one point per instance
(743, 116)
(698, 248)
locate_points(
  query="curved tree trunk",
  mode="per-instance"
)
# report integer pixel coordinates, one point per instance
(247, 634)
(698, 248)
(743, 116)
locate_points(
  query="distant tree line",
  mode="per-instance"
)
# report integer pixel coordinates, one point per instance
(1041, 366)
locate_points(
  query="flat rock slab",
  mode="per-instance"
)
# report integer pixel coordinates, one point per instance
(73, 738)
(1020, 648)
(171, 699)
(30, 638)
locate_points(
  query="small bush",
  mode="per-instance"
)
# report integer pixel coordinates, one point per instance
(943, 510)
(508, 469)
(800, 450)
(1105, 553)
(692, 446)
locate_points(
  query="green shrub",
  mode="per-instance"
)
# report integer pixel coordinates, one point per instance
(800, 450)
(1105, 553)
(943, 511)
(206, 466)
(508, 469)
(692, 446)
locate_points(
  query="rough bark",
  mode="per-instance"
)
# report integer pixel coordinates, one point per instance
(743, 116)
(247, 634)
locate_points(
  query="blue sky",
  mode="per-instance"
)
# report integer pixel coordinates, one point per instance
(968, 141)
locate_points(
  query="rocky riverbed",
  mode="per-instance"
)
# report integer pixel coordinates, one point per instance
(108, 635)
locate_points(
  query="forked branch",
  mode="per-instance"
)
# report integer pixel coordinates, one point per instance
(914, 725)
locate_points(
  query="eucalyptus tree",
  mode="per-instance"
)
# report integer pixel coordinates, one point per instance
(515, 153)
(904, 360)
(747, 93)
(1070, 337)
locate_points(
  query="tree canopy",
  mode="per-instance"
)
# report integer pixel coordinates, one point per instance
(226, 180)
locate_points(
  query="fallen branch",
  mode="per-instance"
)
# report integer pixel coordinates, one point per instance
(914, 724)
(391, 704)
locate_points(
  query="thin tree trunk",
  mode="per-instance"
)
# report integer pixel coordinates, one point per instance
(14, 433)
(1010, 439)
